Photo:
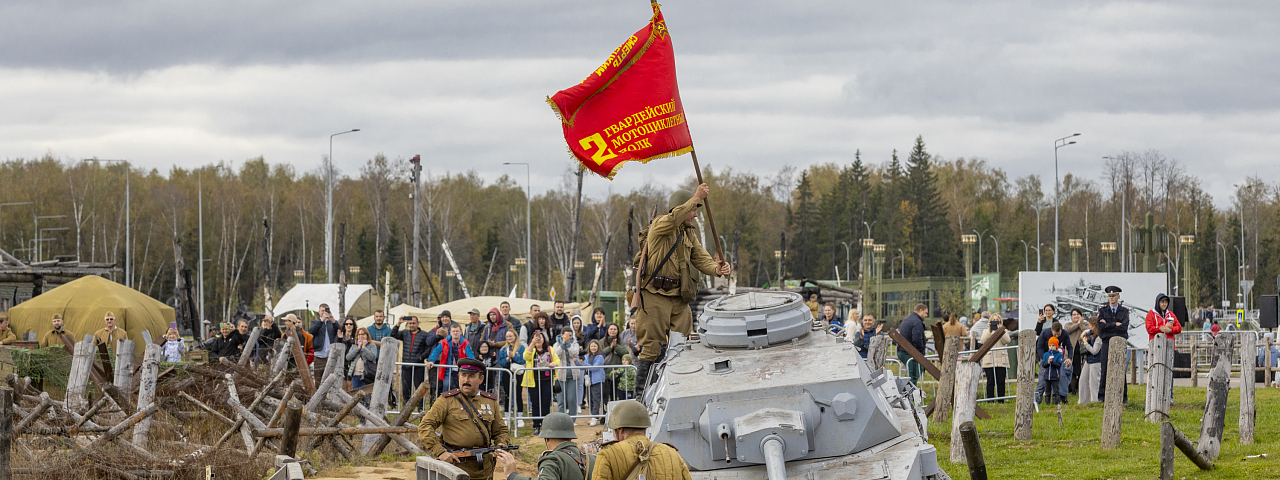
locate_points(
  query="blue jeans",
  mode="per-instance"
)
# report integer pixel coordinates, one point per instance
(1065, 384)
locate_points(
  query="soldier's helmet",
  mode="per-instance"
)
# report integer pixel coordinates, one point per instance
(557, 425)
(628, 414)
(678, 198)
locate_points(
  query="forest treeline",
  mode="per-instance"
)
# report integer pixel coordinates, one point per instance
(918, 206)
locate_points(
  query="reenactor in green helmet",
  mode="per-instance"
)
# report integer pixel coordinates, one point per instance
(629, 419)
(668, 281)
(562, 460)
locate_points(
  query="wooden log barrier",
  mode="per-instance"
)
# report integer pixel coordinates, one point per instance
(947, 382)
(967, 374)
(924, 362)
(1166, 451)
(1215, 409)
(878, 351)
(249, 346)
(151, 357)
(289, 434)
(1183, 444)
(1113, 409)
(78, 379)
(973, 451)
(1159, 380)
(1248, 349)
(320, 431)
(1025, 404)
(6, 430)
(124, 364)
(406, 411)
(382, 380)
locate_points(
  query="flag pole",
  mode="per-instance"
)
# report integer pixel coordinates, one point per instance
(706, 203)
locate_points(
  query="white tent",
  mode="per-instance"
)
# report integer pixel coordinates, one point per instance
(362, 300)
(458, 309)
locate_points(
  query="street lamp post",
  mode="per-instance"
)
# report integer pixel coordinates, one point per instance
(355, 273)
(38, 250)
(328, 209)
(777, 255)
(878, 258)
(522, 262)
(1026, 256)
(846, 262)
(1059, 143)
(997, 240)
(979, 237)
(1186, 241)
(128, 244)
(904, 263)
(1075, 244)
(528, 229)
(1038, 206)
(598, 257)
(1108, 253)
(1222, 272)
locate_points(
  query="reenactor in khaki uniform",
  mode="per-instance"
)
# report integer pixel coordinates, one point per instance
(562, 460)
(110, 332)
(54, 337)
(7, 337)
(629, 420)
(467, 418)
(666, 282)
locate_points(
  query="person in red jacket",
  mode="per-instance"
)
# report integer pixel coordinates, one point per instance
(1162, 320)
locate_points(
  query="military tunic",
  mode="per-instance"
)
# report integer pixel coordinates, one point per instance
(662, 309)
(559, 463)
(109, 338)
(459, 431)
(616, 460)
(51, 338)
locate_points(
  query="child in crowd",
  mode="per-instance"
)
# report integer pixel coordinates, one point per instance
(1051, 368)
(173, 347)
(595, 377)
(625, 380)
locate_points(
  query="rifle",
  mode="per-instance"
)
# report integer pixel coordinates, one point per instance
(478, 453)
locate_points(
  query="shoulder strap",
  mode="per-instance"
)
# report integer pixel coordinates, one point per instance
(642, 460)
(470, 409)
(674, 246)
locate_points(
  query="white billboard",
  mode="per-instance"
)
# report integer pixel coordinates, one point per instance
(1067, 290)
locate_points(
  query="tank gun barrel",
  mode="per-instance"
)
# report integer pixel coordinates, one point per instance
(774, 461)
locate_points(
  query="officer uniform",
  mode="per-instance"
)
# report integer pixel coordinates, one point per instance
(616, 459)
(564, 462)
(465, 422)
(661, 309)
(1111, 324)
(52, 338)
(109, 338)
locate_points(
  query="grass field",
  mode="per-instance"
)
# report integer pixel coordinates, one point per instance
(1074, 451)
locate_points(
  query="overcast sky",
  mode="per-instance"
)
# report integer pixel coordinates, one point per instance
(764, 84)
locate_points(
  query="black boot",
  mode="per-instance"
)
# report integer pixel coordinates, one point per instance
(642, 377)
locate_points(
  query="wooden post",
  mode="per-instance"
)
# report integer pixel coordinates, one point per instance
(321, 392)
(1215, 409)
(147, 389)
(337, 360)
(1166, 451)
(1159, 380)
(78, 380)
(973, 451)
(1114, 406)
(282, 358)
(1024, 407)
(292, 420)
(947, 383)
(1267, 371)
(878, 351)
(382, 386)
(1195, 366)
(304, 370)
(1248, 354)
(6, 430)
(124, 364)
(1184, 444)
(405, 412)
(249, 346)
(967, 374)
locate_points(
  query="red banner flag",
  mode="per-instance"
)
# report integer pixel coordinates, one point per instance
(629, 108)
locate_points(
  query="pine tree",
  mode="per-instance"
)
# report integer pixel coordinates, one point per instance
(803, 223)
(1204, 265)
(935, 249)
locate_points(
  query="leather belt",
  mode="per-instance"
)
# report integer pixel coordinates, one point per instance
(665, 283)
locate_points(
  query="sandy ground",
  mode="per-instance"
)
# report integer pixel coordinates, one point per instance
(530, 448)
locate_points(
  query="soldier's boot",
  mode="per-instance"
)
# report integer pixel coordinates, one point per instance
(642, 377)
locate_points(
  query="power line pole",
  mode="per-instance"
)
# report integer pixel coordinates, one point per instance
(415, 173)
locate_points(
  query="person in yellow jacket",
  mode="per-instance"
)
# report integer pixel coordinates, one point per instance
(109, 332)
(629, 420)
(54, 337)
(6, 334)
(539, 355)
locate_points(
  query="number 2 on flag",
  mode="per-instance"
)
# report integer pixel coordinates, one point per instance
(603, 153)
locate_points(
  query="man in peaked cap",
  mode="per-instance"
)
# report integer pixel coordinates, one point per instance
(1113, 321)
(467, 418)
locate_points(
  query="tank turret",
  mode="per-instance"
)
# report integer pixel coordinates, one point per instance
(764, 392)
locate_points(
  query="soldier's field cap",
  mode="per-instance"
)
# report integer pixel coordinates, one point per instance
(444, 314)
(1112, 289)
(470, 365)
(474, 311)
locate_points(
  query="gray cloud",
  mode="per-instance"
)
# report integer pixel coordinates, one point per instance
(764, 83)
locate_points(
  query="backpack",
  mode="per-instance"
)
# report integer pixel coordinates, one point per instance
(586, 462)
(642, 470)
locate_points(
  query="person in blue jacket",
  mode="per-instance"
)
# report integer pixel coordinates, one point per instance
(1051, 370)
(448, 352)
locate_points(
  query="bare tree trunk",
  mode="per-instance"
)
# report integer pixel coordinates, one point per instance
(1024, 405)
